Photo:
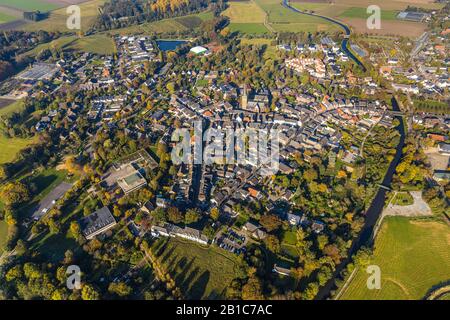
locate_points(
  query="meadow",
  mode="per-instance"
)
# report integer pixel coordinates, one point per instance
(98, 43)
(248, 28)
(362, 13)
(200, 272)
(57, 20)
(27, 5)
(413, 257)
(253, 13)
(263, 16)
(6, 18)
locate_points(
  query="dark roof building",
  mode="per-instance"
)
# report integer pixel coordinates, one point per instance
(97, 222)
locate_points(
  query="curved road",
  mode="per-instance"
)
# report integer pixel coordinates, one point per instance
(345, 42)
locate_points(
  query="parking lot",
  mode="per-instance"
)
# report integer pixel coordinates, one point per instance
(232, 241)
(49, 201)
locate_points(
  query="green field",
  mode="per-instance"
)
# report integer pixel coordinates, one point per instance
(200, 272)
(249, 28)
(99, 44)
(279, 14)
(310, 26)
(362, 13)
(249, 17)
(27, 5)
(6, 18)
(11, 146)
(413, 257)
(57, 21)
(244, 12)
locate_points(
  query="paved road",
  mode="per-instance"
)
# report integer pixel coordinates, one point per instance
(47, 202)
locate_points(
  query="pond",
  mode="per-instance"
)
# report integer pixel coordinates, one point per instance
(169, 45)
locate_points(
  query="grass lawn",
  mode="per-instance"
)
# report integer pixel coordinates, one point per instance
(3, 234)
(403, 199)
(413, 257)
(290, 238)
(250, 28)
(11, 146)
(28, 5)
(200, 272)
(357, 12)
(57, 21)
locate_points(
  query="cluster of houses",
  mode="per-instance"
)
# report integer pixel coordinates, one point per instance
(136, 49)
(429, 73)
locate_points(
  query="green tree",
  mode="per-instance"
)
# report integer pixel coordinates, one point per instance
(191, 216)
(88, 292)
(120, 288)
(14, 193)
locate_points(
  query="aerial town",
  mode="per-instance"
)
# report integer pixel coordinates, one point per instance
(91, 123)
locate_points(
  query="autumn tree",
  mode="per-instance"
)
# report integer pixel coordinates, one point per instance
(191, 216)
(174, 215)
(270, 222)
(14, 193)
